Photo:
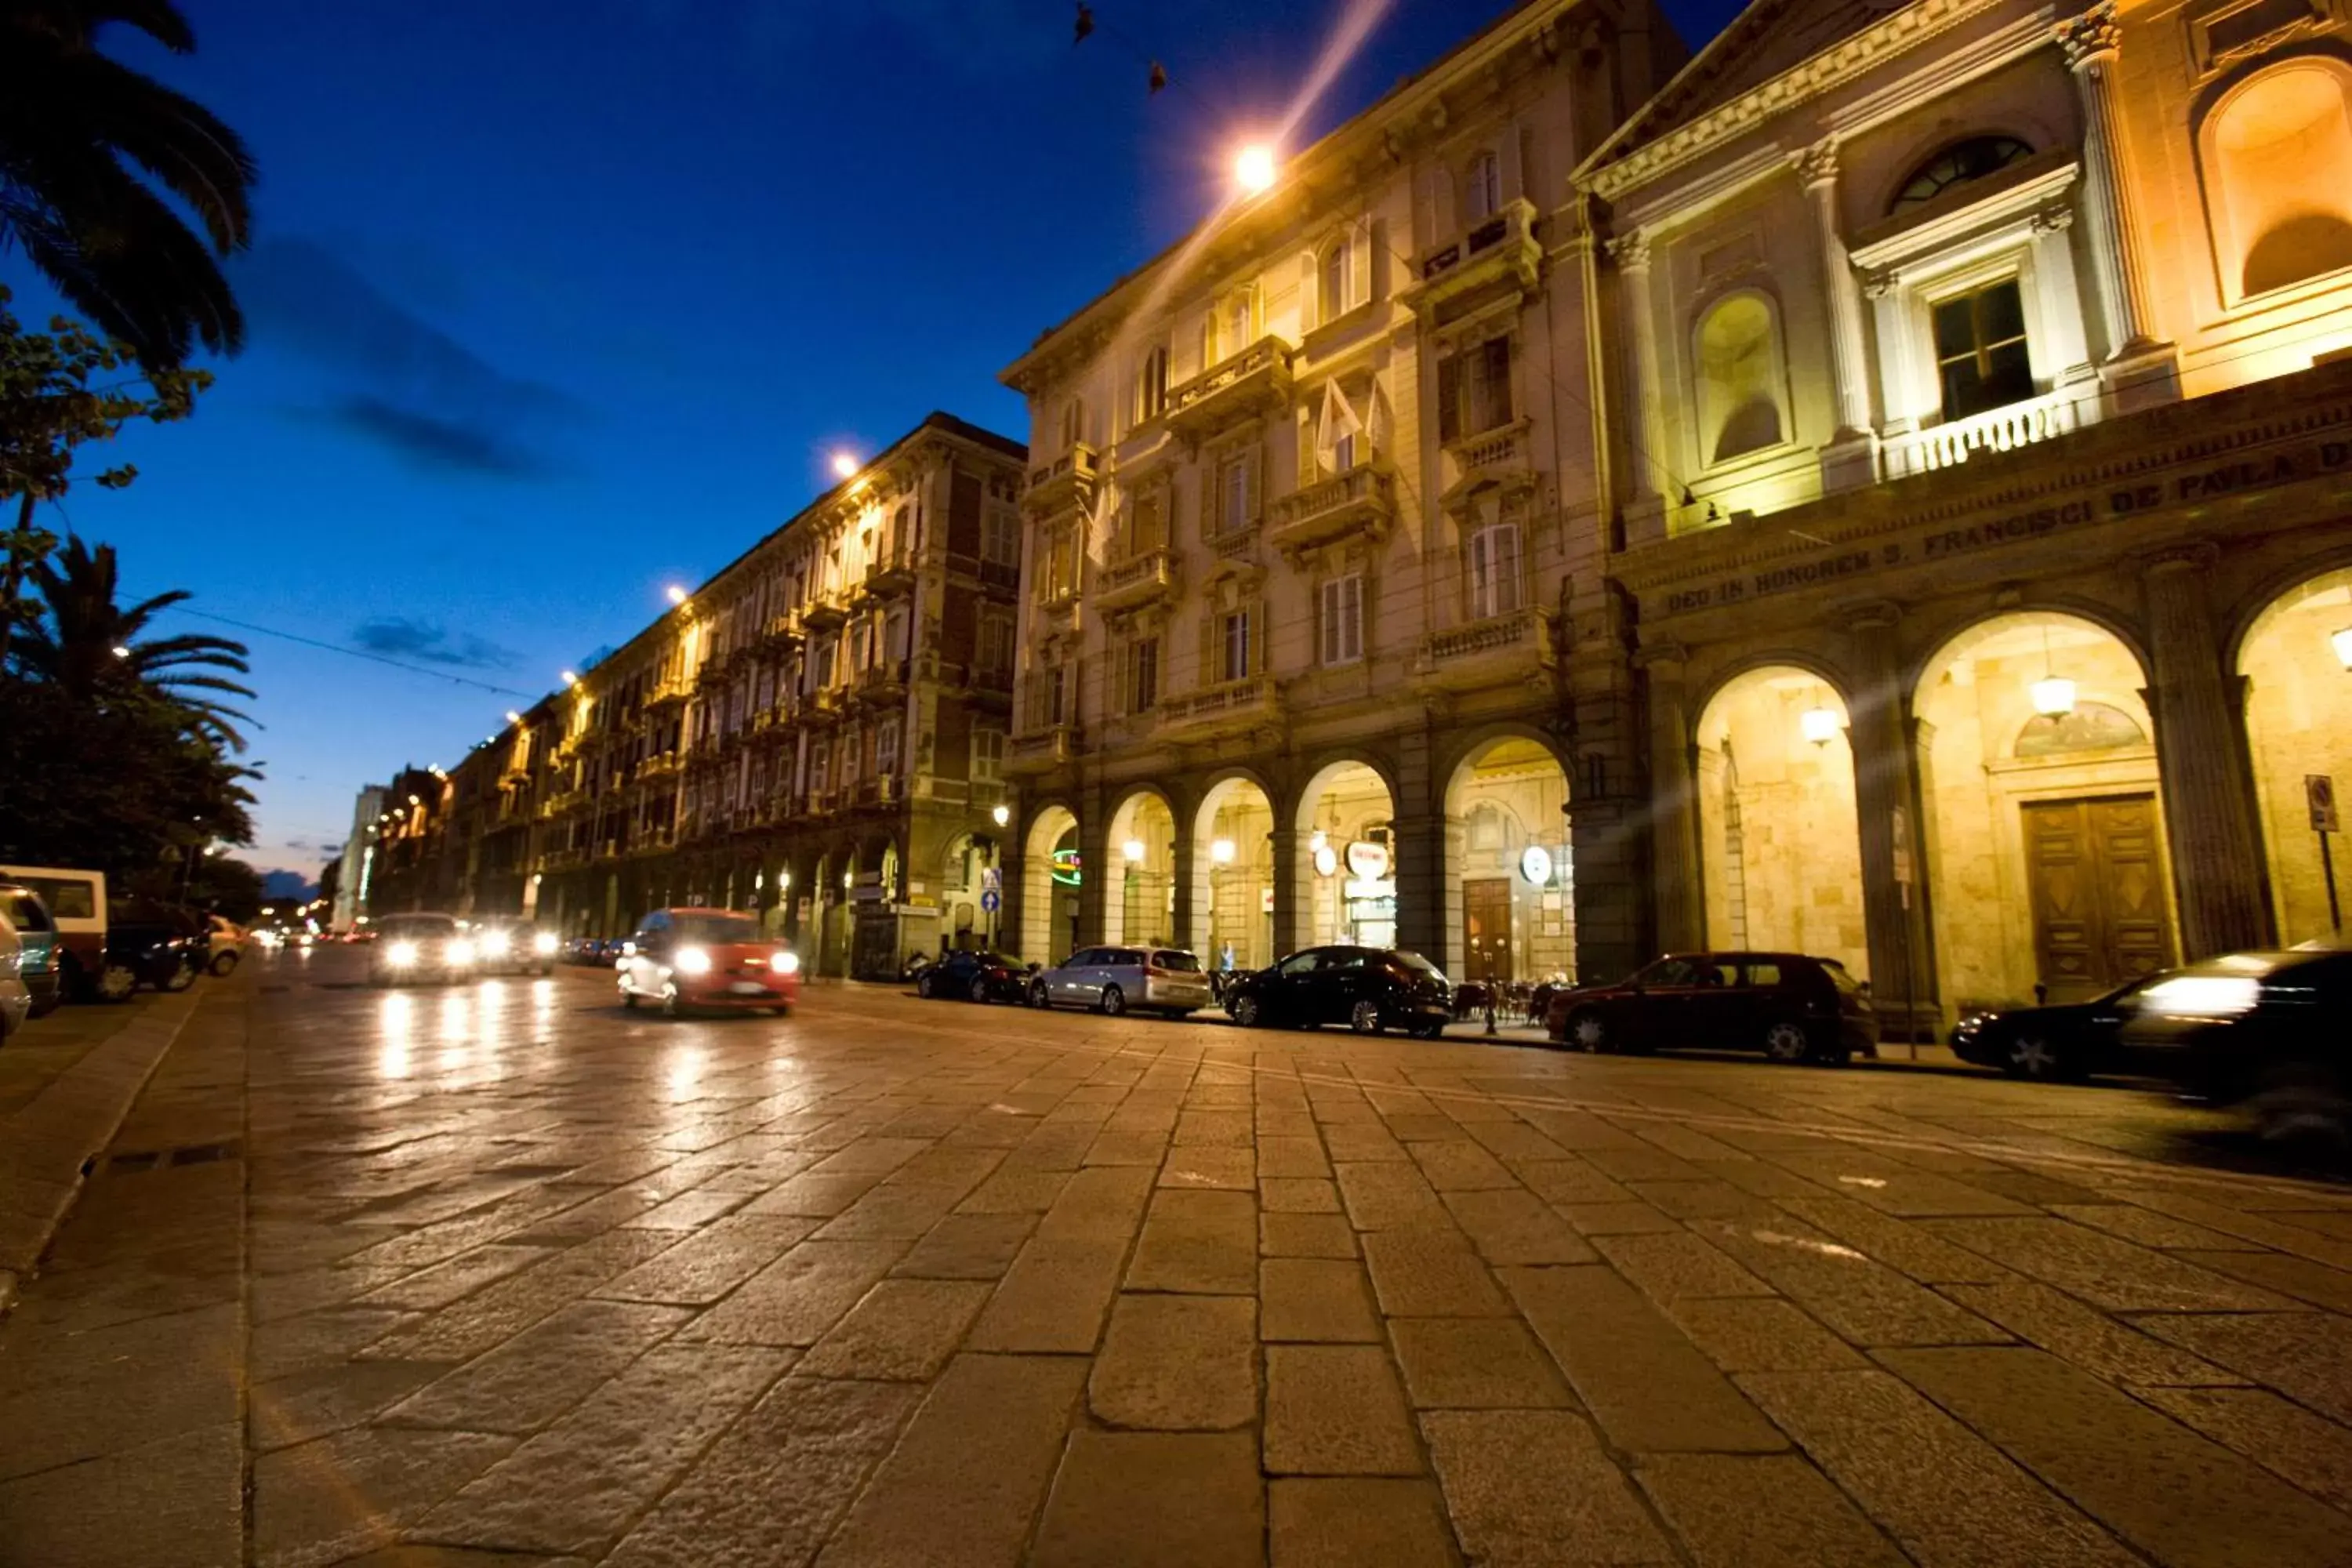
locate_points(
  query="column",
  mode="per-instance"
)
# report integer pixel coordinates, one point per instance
(2209, 812)
(1098, 876)
(1647, 499)
(1674, 861)
(2090, 41)
(1885, 784)
(2062, 348)
(1817, 171)
(1287, 845)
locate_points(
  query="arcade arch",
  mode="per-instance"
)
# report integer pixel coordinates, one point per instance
(1346, 866)
(1050, 870)
(1232, 876)
(1139, 897)
(1507, 856)
(2297, 664)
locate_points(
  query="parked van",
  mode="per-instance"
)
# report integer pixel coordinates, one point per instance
(76, 901)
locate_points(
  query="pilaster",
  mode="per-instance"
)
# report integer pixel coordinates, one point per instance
(1674, 797)
(1886, 803)
(2139, 369)
(1851, 457)
(1645, 502)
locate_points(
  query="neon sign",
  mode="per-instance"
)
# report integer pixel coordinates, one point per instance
(1066, 867)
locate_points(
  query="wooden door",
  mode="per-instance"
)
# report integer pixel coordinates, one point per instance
(2099, 914)
(1486, 927)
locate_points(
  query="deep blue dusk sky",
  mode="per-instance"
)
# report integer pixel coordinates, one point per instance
(555, 301)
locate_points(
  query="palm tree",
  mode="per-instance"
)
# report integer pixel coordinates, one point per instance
(72, 123)
(91, 647)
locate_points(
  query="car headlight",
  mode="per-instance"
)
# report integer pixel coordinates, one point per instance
(543, 944)
(459, 951)
(496, 943)
(784, 962)
(400, 954)
(691, 961)
(2201, 997)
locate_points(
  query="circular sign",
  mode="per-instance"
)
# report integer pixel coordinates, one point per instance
(1327, 861)
(1368, 861)
(1535, 864)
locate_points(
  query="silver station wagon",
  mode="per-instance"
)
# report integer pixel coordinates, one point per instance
(1113, 979)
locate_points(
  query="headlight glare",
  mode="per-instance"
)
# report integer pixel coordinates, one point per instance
(784, 962)
(496, 943)
(2202, 996)
(691, 961)
(460, 950)
(401, 954)
(543, 944)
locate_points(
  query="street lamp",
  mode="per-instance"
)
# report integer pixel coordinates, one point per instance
(1818, 724)
(1132, 850)
(1221, 851)
(1000, 815)
(570, 678)
(845, 464)
(1253, 169)
(2053, 697)
(677, 594)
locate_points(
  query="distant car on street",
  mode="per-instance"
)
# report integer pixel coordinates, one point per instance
(718, 959)
(2272, 1031)
(1792, 1006)
(1367, 988)
(225, 945)
(38, 934)
(150, 943)
(1166, 979)
(508, 944)
(15, 997)
(2058, 1043)
(423, 946)
(975, 976)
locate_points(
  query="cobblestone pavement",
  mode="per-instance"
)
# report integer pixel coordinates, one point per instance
(500, 1274)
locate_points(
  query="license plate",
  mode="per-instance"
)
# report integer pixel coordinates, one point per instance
(747, 988)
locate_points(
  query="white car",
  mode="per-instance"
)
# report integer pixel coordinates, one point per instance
(227, 945)
(1166, 979)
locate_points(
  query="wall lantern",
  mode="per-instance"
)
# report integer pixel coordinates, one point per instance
(2343, 641)
(1327, 861)
(1000, 816)
(1221, 851)
(2053, 697)
(1133, 849)
(1818, 724)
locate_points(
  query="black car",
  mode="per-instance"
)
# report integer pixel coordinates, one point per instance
(2059, 1043)
(1792, 1006)
(150, 943)
(1367, 988)
(975, 976)
(2272, 1030)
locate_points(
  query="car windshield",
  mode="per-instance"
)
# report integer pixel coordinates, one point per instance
(417, 927)
(719, 928)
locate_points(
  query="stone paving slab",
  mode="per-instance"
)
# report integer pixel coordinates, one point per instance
(900, 1283)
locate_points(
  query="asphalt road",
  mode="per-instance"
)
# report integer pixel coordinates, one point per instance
(498, 1273)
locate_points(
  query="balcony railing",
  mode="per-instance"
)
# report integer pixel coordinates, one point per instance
(1066, 480)
(1054, 746)
(1253, 381)
(1229, 708)
(1137, 580)
(1361, 501)
(2002, 429)
(1503, 248)
(891, 573)
(1503, 447)
(1487, 652)
(883, 681)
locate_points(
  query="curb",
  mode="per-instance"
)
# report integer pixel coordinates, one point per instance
(48, 1148)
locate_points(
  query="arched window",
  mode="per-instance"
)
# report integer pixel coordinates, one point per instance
(1151, 383)
(1484, 199)
(1074, 422)
(1235, 322)
(1957, 166)
(1332, 271)
(2278, 176)
(1739, 375)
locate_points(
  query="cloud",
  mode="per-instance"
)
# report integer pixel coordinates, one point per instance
(401, 636)
(395, 378)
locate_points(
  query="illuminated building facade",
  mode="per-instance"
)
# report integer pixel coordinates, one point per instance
(1312, 536)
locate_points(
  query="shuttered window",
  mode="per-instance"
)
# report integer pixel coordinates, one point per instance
(1474, 390)
(1494, 571)
(1235, 663)
(1342, 619)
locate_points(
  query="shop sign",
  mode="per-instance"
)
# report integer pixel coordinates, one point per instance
(1368, 860)
(1948, 542)
(1066, 867)
(1535, 864)
(2319, 791)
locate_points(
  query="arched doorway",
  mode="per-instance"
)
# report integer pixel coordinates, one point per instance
(964, 867)
(1346, 873)
(1780, 841)
(1049, 886)
(2297, 662)
(2044, 841)
(1139, 901)
(1508, 851)
(1232, 876)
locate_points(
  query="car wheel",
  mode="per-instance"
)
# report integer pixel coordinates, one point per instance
(782, 1012)
(671, 1007)
(2302, 1109)
(180, 979)
(980, 987)
(1588, 1031)
(1364, 1017)
(1247, 1012)
(923, 986)
(1786, 1041)
(1114, 1001)
(1039, 997)
(2034, 1057)
(117, 981)
(223, 964)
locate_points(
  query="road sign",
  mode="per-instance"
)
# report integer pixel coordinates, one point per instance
(2319, 789)
(989, 900)
(991, 879)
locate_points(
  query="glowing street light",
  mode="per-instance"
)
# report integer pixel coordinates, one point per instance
(1221, 851)
(2053, 697)
(121, 651)
(1818, 724)
(1253, 169)
(2343, 644)
(570, 678)
(845, 464)
(1133, 849)
(1000, 815)
(677, 594)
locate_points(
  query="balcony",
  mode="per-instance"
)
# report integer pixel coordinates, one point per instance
(671, 693)
(2002, 429)
(1501, 250)
(781, 638)
(883, 682)
(823, 615)
(1213, 712)
(1136, 582)
(660, 765)
(1068, 481)
(880, 790)
(1255, 381)
(1492, 652)
(1041, 751)
(1360, 502)
(890, 575)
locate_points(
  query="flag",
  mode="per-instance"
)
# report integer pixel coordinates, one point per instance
(1336, 424)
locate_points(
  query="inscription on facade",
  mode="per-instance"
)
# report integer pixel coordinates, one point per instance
(1947, 542)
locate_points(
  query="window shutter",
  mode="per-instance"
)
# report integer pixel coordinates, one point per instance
(1496, 354)
(1352, 618)
(1449, 398)
(1309, 318)
(1260, 624)
(1330, 623)
(1360, 261)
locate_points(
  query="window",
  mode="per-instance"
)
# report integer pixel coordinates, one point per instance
(820, 758)
(1056, 695)
(885, 747)
(1235, 324)
(1074, 423)
(894, 636)
(1151, 384)
(1147, 523)
(1334, 271)
(1342, 619)
(1235, 663)
(999, 536)
(1142, 675)
(1980, 356)
(1739, 405)
(2278, 176)
(1483, 197)
(1233, 486)
(1494, 571)
(987, 755)
(1474, 390)
(1061, 579)
(1957, 166)
(995, 647)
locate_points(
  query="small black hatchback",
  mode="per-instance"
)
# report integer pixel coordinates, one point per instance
(1790, 1005)
(1367, 988)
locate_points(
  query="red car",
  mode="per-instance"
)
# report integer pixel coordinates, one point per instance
(716, 959)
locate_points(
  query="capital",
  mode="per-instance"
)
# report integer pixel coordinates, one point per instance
(1878, 283)
(1631, 252)
(2192, 555)
(2056, 219)
(2090, 38)
(1817, 164)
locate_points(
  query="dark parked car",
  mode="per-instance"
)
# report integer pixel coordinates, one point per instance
(2060, 1044)
(1367, 988)
(150, 943)
(976, 976)
(43, 970)
(2270, 1030)
(1788, 1005)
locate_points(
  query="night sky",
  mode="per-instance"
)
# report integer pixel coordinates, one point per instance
(554, 302)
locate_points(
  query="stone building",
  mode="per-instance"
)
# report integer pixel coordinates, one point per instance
(1310, 510)
(815, 734)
